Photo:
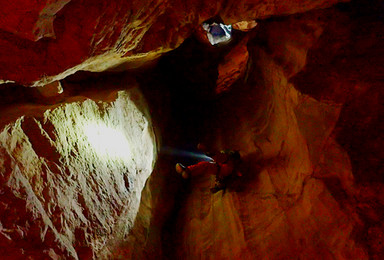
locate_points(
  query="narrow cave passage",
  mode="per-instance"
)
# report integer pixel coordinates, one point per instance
(234, 105)
(99, 103)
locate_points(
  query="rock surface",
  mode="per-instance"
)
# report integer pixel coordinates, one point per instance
(281, 135)
(29, 19)
(299, 96)
(100, 35)
(232, 67)
(63, 194)
(301, 194)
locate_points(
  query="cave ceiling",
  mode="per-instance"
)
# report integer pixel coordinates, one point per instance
(49, 40)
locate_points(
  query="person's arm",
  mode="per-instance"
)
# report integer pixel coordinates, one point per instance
(203, 168)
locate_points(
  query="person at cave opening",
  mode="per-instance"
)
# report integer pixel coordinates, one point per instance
(224, 166)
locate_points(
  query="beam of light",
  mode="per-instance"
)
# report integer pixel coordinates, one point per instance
(184, 153)
(107, 142)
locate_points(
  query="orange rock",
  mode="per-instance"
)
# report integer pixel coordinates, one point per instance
(233, 67)
(96, 35)
(289, 156)
(244, 26)
(30, 20)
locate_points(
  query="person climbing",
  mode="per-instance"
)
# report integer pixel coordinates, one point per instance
(224, 167)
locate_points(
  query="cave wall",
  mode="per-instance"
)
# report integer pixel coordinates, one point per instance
(291, 114)
(299, 97)
(47, 41)
(63, 195)
(281, 209)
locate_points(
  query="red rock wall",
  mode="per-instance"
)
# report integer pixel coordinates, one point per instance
(99, 35)
(281, 209)
(296, 115)
(296, 96)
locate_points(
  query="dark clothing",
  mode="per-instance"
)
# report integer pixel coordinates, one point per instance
(224, 172)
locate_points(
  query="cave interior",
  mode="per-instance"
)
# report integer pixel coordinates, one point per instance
(101, 99)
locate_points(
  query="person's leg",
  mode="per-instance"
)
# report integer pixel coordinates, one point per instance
(182, 170)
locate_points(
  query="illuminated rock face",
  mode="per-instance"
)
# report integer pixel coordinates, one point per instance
(99, 35)
(72, 175)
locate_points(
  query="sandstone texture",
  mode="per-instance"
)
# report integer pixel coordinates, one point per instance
(99, 35)
(281, 209)
(64, 196)
(125, 89)
(30, 20)
(302, 195)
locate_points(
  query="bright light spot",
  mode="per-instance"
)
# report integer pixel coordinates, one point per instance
(107, 141)
(218, 33)
(244, 26)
